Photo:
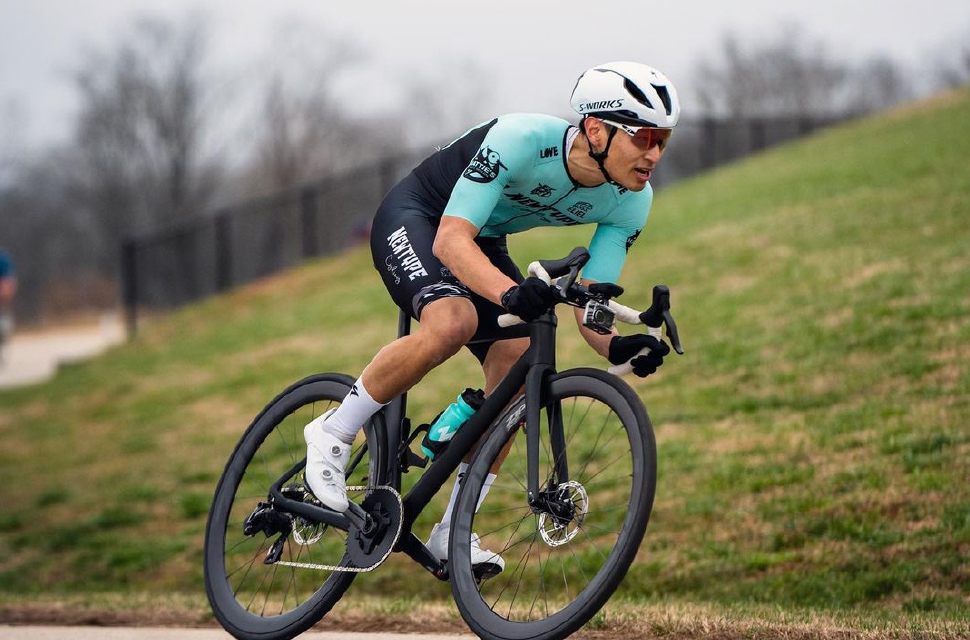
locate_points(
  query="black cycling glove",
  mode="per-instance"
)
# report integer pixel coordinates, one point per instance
(622, 348)
(528, 300)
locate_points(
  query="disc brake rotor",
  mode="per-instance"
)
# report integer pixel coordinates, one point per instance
(554, 532)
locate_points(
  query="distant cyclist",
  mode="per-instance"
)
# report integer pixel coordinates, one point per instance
(8, 289)
(438, 241)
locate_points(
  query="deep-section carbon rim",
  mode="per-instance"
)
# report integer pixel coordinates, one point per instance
(593, 519)
(252, 599)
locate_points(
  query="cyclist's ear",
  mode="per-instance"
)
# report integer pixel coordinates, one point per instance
(596, 130)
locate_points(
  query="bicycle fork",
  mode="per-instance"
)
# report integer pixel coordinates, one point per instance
(536, 388)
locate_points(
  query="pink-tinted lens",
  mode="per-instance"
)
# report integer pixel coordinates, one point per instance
(648, 138)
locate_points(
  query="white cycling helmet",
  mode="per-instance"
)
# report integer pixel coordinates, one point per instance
(628, 95)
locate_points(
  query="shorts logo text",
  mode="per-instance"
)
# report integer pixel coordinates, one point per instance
(401, 246)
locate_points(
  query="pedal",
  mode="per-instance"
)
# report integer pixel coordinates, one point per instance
(485, 570)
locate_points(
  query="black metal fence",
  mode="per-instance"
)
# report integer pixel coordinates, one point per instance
(258, 237)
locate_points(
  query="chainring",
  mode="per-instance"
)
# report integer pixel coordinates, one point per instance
(385, 508)
(384, 503)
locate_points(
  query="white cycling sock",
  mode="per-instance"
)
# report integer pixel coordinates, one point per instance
(489, 479)
(353, 412)
(462, 469)
(446, 519)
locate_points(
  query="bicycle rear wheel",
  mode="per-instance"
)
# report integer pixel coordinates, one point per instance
(253, 600)
(566, 554)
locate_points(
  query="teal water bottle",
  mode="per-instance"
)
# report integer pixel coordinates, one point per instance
(446, 425)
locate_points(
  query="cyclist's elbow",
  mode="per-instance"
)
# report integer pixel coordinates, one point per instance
(446, 241)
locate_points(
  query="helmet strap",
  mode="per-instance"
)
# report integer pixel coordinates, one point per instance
(600, 157)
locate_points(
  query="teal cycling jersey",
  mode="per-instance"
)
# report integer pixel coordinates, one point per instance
(6, 266)
(514, 177)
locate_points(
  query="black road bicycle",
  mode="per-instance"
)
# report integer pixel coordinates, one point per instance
(567, 511)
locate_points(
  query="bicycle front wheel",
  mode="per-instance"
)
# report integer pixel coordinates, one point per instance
(255, 600)
(566, 552)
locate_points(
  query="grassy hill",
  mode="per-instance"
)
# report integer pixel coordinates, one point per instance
(813, 441)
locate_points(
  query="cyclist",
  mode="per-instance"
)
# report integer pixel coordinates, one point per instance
(438, 241)
(8, 288)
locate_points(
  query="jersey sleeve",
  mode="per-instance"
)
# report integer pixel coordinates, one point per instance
(613, 239)
(506, 152)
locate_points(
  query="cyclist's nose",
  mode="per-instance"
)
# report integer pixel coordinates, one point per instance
(654, 154)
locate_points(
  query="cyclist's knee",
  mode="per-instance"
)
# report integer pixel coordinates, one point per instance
(449, 324)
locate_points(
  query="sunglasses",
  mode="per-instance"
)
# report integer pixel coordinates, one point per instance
(647, 138)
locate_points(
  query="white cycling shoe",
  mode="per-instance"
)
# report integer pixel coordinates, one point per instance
(485, 563)
(326, 459)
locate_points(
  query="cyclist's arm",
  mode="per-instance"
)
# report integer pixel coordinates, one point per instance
(506, 151)
(8, 288)
(455, 246)
(608, 250)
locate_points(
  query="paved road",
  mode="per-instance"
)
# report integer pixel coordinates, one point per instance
(32, 357)
(165, 633)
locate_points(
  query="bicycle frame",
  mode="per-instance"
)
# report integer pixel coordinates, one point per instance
(531, 369)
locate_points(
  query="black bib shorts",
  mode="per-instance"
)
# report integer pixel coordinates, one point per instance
(401, 239)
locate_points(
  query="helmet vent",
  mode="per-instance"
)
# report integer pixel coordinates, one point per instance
(664, 97)
(636, 93)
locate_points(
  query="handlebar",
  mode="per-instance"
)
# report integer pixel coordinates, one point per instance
(562, 274)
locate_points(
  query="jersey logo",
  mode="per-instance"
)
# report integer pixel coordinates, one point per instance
(549, 152)
(632, 239)
(543, 191)
(580, 209)
(485, 166)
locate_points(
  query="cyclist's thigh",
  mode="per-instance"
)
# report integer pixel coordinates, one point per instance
(401, 240)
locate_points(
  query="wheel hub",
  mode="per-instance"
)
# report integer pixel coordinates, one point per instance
(564, 509)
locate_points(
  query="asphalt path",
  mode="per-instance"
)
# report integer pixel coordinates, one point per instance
(34, 356)
(168, 633)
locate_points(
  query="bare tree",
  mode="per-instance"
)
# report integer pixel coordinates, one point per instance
(792, 74)
(140, 134)
(449, 99)
(952, 63)
(13, 122)
(787, 75)
(877, 83)
(304, 129)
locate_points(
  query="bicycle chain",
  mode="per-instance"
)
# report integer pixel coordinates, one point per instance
(346, 569)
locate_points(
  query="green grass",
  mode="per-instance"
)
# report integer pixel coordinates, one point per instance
(813, 442)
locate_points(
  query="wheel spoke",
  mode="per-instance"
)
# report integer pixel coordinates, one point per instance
(603, 469)
(260, 459)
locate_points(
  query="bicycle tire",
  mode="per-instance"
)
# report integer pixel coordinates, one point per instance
(239, 621)
(486, 619)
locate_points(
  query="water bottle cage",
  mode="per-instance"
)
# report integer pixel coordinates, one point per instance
(408, 457)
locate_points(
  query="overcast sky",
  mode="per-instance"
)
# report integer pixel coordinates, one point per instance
(532, 50)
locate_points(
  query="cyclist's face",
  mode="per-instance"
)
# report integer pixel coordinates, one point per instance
(632, 159)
